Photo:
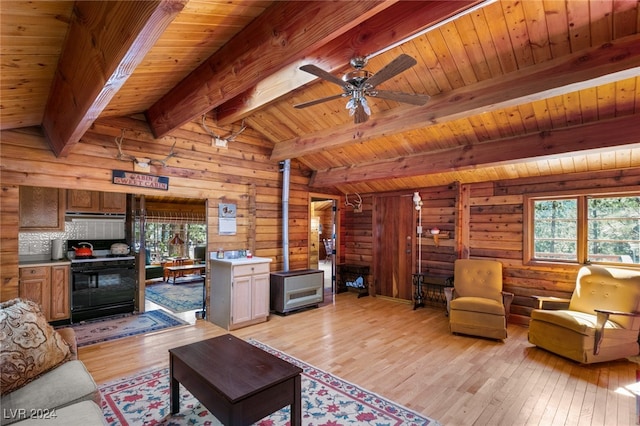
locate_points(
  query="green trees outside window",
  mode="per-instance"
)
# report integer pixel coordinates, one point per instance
(586, 229)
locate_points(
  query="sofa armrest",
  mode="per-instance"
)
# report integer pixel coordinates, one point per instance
(69, 336)
(542, 299)
(602, 316)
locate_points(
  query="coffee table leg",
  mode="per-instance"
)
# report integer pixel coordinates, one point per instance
(296, 407)
(174, 389)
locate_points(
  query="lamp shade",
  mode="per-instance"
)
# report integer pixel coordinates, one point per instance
(416, 198)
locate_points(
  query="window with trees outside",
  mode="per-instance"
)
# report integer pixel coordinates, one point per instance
(584, 229)
(159, 237)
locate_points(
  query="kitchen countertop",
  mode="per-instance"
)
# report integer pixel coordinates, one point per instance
(242, 260)
(26, 262)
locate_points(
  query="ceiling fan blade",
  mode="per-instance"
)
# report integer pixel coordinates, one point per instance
(319, 101)
(319, 72)
(398, 65)
(408, 98)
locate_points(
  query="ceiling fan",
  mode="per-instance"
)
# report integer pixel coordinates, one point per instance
(360, 83)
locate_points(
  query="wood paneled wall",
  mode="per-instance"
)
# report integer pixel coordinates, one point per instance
(496, 218)
(356, 233)
(485, 220)
(242, 174)
(440, 209)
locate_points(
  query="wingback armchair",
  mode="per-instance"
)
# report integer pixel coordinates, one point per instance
(477, 305)
(601, 321)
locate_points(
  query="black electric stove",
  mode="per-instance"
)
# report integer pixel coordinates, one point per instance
(101, 284)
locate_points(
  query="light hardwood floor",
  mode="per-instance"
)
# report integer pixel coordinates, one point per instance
(411, 358)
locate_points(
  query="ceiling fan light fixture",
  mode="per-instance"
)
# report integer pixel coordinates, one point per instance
(357, 78)
(359, 83)
(359, 110)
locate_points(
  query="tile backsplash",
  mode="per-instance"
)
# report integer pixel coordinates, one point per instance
(39, 243)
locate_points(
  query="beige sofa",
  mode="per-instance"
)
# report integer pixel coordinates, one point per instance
(63, 395)
(601, 321)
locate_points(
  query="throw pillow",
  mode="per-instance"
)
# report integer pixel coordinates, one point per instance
(30, 346)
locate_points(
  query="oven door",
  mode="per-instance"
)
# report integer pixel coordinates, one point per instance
(103, 290)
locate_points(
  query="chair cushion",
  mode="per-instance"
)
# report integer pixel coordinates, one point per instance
(478, 278)
(582, 323)
(30, 346)
(614, 289)
(616, 344)
(477, 304)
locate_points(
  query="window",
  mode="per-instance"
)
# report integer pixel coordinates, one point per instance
(159, 237)
(584, 229)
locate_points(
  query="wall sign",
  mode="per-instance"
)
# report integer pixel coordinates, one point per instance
(143, 180)
(226, 219)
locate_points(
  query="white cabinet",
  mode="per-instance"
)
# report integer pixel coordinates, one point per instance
(239, 292)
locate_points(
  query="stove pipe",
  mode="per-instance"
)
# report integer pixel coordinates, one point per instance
(286, 176)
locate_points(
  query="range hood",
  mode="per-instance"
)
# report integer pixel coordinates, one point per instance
(71, 216)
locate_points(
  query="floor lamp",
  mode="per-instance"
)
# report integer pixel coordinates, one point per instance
(417, 201)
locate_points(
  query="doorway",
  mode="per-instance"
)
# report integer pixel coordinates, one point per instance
(323, 239)
(173, 233)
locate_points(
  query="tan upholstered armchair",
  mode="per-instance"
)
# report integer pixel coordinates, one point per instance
(601, 322)
(476, 304)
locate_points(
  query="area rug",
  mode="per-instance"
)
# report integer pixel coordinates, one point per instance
(119, 326)
(176, 297)
(326, 400)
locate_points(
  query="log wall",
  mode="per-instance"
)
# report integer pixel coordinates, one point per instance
(485, 220)
(241, 174)
(496, 230)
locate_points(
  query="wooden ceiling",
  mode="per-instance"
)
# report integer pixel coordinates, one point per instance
(518, 88)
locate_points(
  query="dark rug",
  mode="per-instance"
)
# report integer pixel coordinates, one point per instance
(119, 326)
(176, 297)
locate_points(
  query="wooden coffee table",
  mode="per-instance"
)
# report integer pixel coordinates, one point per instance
(238, 382)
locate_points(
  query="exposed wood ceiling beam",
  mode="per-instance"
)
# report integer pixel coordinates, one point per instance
(277, 37)
(398, 22)
(105, 42)
(588, 137)
(584, 69)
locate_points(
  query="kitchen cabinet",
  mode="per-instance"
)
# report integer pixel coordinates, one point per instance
(239, 290)
(85, 201)
(60, 305)
(48, 286)
(113, 202)
(41, 209)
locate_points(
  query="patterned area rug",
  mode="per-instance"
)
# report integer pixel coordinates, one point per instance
(326, 400)
(176, 297)
(119, 326)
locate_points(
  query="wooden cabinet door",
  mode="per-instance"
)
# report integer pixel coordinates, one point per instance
(80, 200)
(113, 202)
(241, 299)
(41, 209)
(395, 246)
(60, 307)
(35, 285)
(260, 296)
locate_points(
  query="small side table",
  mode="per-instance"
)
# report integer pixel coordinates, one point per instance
(430, 288)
